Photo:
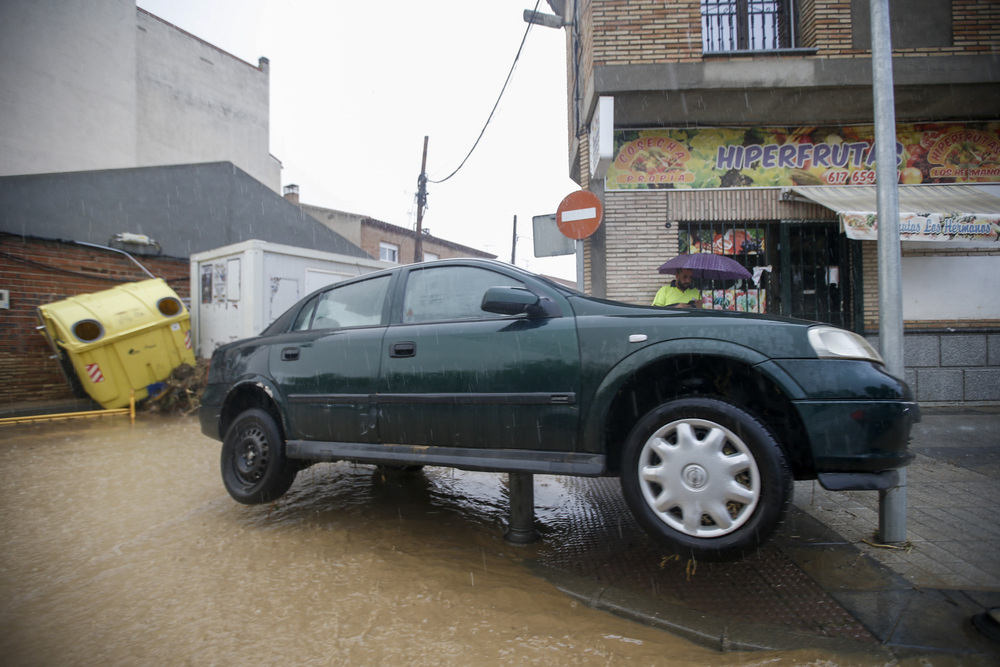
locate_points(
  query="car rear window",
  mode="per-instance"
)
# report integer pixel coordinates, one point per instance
(352, 305)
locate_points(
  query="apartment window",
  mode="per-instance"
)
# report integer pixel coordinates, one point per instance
(388, 252)
(747, 25)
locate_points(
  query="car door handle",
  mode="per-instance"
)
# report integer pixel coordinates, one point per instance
(290, 354)
(405, 349)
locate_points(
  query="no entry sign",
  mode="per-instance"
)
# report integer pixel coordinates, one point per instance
(579, 214)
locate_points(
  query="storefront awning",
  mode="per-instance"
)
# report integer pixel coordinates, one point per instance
(926, 212)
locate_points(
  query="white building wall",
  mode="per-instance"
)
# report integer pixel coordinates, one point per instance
(197, 103)
(67, 85)
(101, 84)
(238, 290)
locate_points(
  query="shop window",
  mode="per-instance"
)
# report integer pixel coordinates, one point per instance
(747, 25)
(746, 243)
(800, 268)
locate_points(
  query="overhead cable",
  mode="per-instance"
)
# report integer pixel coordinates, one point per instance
(499, 97)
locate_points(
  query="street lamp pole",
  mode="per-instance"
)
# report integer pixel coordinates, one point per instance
(892, 502)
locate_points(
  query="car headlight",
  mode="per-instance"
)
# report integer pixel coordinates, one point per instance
(833, 343)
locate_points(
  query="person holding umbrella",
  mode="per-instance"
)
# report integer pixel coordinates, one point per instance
(705, 266)
(679, 292)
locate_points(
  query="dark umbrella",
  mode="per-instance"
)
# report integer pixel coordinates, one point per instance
(707, 266)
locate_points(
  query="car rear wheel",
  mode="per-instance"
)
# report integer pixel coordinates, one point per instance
(706, 478)
(254, 467)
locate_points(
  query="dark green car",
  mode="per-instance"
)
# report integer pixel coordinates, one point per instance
(706, 416)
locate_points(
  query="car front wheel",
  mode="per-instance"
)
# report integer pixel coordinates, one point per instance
(254, 467)
(705, 478)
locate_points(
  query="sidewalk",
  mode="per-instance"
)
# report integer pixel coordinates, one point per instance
(823, 581)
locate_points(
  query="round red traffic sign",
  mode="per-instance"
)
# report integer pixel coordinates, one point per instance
(579, 214)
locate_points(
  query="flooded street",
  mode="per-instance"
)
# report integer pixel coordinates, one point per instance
(121, 547)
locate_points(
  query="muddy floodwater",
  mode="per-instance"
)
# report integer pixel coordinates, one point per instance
(121, 547)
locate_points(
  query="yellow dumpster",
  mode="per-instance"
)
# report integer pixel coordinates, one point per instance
(130, 337)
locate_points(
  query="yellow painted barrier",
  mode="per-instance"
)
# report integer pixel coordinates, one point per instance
(87, 414)
(28, 419)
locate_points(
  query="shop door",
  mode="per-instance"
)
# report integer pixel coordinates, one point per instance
(815, 273)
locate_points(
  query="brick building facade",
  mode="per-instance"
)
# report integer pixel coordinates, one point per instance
(375, 233)
(679, 69)
(383, 240)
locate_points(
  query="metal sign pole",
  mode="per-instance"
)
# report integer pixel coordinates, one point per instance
(892, 502)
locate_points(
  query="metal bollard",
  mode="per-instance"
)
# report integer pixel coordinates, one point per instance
(521, 529)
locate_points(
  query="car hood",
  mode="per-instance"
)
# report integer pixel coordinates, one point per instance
(773, 336)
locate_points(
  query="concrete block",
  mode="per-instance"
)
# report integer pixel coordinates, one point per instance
(993, 349)
(940, 384)
(963, 350)
(982, 384)
(921, 351)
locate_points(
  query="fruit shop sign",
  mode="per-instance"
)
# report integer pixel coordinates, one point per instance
(775, 157)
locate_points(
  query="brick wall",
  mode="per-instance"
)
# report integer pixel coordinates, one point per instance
(40, 272)
(631, 32)
(976, 25)
(637, 243)
(833, 35)
(628, 32)
(371, 238)
(808, 34)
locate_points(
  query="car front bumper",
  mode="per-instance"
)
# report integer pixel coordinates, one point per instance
(858, 436)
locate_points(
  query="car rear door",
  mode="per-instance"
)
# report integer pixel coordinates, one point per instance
(328, 365)
(455, 375)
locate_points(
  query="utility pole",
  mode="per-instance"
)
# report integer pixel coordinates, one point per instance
(892, 502)
(418, 246)
(513, 243)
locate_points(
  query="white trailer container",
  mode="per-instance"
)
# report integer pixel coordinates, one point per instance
(239, 289)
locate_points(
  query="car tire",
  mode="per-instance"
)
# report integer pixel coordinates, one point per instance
(705, 478)
(254, 467)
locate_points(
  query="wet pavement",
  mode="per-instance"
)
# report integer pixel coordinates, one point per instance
(134, 534)
(120, 547)
(824, 580)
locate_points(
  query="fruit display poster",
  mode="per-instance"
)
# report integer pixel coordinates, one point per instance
(743, 301)
(774, 157)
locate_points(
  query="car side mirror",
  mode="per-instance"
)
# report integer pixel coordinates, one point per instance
(508, 300)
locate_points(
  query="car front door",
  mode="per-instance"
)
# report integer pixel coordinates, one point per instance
(328, 364)
(456, 375)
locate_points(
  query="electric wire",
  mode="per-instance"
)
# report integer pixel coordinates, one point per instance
(495, 105)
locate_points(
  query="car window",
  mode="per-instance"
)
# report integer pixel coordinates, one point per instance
(305, 315)
(352, 305)
(450, 293)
